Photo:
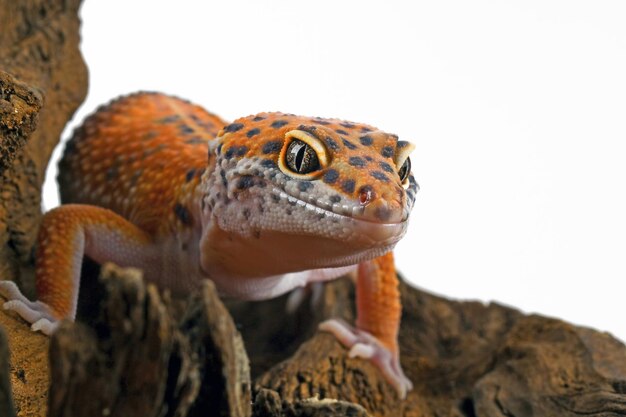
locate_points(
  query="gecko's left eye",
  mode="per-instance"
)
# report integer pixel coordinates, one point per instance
(405, 170)
(301, 158)
(303, 155)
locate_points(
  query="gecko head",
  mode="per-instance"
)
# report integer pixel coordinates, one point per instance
(300, 193)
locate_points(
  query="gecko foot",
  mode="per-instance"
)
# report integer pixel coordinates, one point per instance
(364, 345)
(38, 314)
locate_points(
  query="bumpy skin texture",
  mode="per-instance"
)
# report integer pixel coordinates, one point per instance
(155, 182)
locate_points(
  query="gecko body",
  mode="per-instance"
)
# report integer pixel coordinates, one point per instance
(263, 205)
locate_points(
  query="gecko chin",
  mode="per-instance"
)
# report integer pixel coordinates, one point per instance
(275, 248)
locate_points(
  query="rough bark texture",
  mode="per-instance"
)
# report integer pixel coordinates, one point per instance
(138, 359)
(465, 359)
(6, 397)
(43, 79)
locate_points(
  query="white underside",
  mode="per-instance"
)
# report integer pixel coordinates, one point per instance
(262, 288)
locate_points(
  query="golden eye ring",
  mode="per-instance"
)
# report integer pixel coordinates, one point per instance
(303, 156)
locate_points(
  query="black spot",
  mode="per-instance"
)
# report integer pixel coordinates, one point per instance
(365, 129)
(236, 150)
(402, 144)
(253, 132)
(268, 163)
(242, 150)
(331, 143)
(190, 175)
(233, 127)
(331, 176)
(223, 175)
(341, 131)
(185, 130)
(387, 152)
(369, 158)
(366, 140)
(321, 216)
(349, 144)
(169, 119)
(148, 135)
(347, 125)
(245, 182)
(112, 173)
(258, 118)
(348, 186)
(135, 178)
(196, 140)
(292, 202)
(356, 161)
(310, 129)
(273, 146)
(320, 122)
(386, 167)
(288, 211)
(246, 213)
(219, 148)
(276, 198)
(278, 124)
(304, 186)
(257, 234)
(335, 199)
(379, 176)
(183, 214)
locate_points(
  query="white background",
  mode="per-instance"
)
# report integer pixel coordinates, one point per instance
(518, 111)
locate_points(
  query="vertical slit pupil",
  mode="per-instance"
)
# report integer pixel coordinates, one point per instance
(300, 157)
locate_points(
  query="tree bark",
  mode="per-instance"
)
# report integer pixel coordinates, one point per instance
(43, 80)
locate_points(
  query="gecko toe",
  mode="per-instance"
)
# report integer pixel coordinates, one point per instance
(45, 326)
(364, 345)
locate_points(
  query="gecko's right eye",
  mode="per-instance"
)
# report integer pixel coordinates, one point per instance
(301, 158)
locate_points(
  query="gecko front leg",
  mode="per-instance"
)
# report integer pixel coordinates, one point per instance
(375, 336)
(68, 233)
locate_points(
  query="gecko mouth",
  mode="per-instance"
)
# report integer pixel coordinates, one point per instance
(364, 231)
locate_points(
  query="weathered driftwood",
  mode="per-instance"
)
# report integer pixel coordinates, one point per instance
(137, 359)
(43, 79)
(465, 359)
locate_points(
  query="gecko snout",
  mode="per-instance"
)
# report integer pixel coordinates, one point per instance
(381, 209)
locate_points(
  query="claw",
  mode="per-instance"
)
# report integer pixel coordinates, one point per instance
(37, 313)
(45, 326)
(363, 345)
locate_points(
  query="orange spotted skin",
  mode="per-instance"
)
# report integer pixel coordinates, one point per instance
(141, 156)
(263, 205)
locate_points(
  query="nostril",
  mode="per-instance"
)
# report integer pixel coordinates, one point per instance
(366, 194)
